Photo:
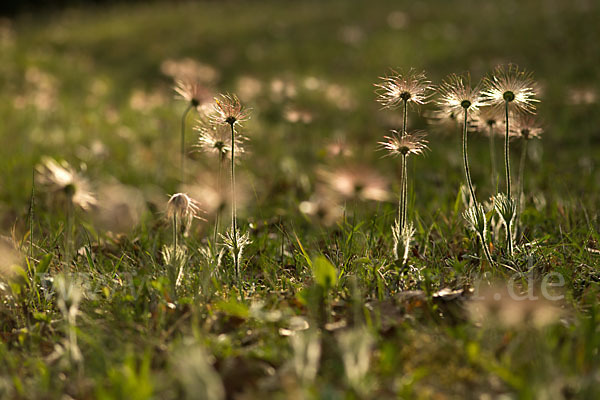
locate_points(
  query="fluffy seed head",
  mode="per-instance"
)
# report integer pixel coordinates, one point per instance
(457, 95)
(409, 87)
(217, 139)
(184, 209)
(192, 91)
(228, 110)
(357, 182)
(488, 117)
(508, 84)
(526, 126)
(60, 181)
(398, 145)
(323, 208)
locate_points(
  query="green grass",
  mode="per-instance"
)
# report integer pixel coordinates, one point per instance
(68, 80)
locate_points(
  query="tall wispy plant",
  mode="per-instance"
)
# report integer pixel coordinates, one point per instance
(458, 96)
(399, 90)
(525, 128)
(181, 210)
(229, 111)
(194, 94)
(510, 89)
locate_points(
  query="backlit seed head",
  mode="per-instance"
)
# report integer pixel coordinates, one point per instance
(398, 145)
(64, 185)
(323, 208)
(509, 84)
(184, 209)
(193, 92)
(457, 95)
(356, 182)
(488, 117)
(216, 139)
(526, 126)
(409, 87)
(228, 110)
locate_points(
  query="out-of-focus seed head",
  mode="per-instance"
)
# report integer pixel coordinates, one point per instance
(357, 182)
(64, 185)
(526, 126)
(193, 92)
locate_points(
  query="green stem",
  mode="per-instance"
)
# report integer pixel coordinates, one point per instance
(404, 191)
(466, 161)
(233, 208)
(405, 117)
(507, 151)
(350, 240)
(218, 213)
(521, 177)
(403, 184)
(493, 158)
(68, 231)
(486, 250)
(183, 120)
(178, 261)
(509, 238)
(174, 233)
(31, 209)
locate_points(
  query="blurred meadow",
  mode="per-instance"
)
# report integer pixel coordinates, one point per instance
(322, 309)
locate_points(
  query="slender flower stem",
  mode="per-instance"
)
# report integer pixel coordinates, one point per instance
(174, 233)
(218, 213)
(480, 235)
(233, 207)
(183, 120)
(68, 231)
(486, 250)
(181, 263)
(466, 161)
(405, 117)
(509, 238)
(521, 176)
(493, 158)
(31, 208)
(404, 192)
(507, 151)
(402, 214)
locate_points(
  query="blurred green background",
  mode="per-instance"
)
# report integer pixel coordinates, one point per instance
(93, 84)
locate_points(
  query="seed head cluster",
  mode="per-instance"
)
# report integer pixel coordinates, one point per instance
(398, 145)
(410, 87)
(193, 92)
(509, 84)
(228, 110)
(457, 95)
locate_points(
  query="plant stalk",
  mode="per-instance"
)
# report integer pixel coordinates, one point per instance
(509, 238)
(183, 121)
(233, 209)
(466, 161)
(493, 159)
(521, 183)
